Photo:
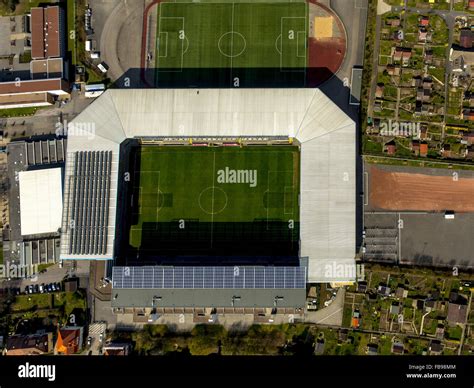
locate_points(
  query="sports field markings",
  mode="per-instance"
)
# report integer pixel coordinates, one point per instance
(213, 192)
(232, 55)
(298, 34)
(158, 42)
(213, 210)
(291, 191)
(283, 68)
(278, 45)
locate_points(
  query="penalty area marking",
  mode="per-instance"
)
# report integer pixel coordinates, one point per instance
(183, 50)
(303, 70)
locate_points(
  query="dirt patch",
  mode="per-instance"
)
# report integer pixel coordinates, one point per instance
(399, 191)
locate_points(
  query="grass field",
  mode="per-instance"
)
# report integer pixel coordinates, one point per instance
(232, 38)
(198, 200)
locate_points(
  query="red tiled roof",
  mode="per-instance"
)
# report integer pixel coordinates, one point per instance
(423, 149)
(68, 341)
(45, 32)
(43, 85)
(37, 33)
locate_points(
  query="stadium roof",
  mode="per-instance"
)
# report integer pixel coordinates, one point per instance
(327, 136)
(41, 199)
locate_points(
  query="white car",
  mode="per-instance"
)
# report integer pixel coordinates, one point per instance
(101, 337)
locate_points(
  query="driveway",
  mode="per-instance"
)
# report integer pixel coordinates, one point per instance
(331, 315)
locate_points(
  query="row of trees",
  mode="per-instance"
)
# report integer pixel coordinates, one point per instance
(215, 339)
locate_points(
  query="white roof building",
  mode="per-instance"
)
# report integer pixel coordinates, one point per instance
(328, 154)
(41, 201)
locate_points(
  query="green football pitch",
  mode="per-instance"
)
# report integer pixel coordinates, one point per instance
(209, 196)
(231, 35)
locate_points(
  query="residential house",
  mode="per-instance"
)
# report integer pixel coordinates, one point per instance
(395, 308)
(383, 290)
(398, 348)
(415, 147)
(466, 38)
(446, 150)
(362, 287)
(457, 313)
(391, 147)
(470, 152)
(429, 57)
(319, 347)
(403, 55)
(419, 304)
(393, 70)
(355, 322)
(401, 293)
(116, 349)
(372, 349)
(29, 345)
(468, 114)
(440, 331)
(69, 341)
(424, 21)
(424, 132)
(422, 35)
(423, 149)
(379, 90)
(435, 348)
(429, 305)
(343, 336)
(395, 22)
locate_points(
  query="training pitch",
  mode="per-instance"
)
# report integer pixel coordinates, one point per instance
(215, 200)
(231, 36)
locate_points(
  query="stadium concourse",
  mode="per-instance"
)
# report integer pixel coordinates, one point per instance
(303, 117)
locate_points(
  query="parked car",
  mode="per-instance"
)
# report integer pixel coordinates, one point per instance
(89, 341)
(41, 288)
(26, 289)
(101, 337)
(30, 289)
(58, 286)
(36, 288)
(53, 287)
(48, 288)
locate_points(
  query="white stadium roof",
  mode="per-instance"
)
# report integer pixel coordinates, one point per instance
(41, 201)
(328, 150)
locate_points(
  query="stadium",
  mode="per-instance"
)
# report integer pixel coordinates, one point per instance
(218, 198)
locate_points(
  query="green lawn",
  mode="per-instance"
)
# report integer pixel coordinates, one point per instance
(225, 35)
(210, 197)
(71, 29)
(18, 112)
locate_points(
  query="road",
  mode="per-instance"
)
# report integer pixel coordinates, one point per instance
(120, 37)
(463, 335)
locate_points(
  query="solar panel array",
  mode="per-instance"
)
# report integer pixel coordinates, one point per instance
(90, 190)
(209, 277)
